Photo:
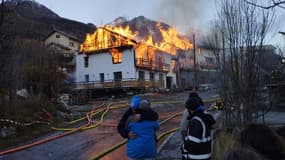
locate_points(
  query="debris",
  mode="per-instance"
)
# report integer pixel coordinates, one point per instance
(7, 132)
(23, 93)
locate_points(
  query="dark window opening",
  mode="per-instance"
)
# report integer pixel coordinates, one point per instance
(86, 78)
(86, 62)
(102, 78)
(141, 75)
(151, 76)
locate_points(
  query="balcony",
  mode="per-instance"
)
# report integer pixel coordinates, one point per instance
(125, 83)
(152, 65)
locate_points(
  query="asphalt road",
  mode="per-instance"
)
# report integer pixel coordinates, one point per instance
(86, 144)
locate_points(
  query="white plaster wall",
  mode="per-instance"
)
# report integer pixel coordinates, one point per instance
(102, 63)
(168, 59)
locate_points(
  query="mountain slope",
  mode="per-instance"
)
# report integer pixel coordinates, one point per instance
(29, 19)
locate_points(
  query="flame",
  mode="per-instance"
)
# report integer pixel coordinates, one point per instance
(109, 37)
(116, 55)
(172, 40)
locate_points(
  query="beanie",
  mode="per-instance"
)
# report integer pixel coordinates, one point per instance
(135, 102)
(144, 105)
(192, 103)
(195, 95)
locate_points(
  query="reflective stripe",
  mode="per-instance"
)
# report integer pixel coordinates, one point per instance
(185, 156)
(204, 138)
(203, 126)
(193, 156)
(197, 140)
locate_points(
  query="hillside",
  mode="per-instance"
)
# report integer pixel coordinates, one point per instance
(29, 19)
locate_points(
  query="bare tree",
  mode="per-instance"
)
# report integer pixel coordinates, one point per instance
(272, 4)
(2, 12)
(20, 58)
(242, 30)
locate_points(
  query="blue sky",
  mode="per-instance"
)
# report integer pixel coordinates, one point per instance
(185, 15)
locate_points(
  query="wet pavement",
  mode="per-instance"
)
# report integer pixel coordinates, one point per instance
(88, 143)
(170, 149)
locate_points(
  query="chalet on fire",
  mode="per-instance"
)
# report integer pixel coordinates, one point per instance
(108, 59)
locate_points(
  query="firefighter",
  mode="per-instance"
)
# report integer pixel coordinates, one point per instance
(197, 141)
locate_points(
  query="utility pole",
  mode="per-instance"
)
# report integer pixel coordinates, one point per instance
(195, 69)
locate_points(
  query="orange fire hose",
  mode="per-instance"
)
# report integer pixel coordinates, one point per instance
(90, 121)
(40, 141)
(50, 138)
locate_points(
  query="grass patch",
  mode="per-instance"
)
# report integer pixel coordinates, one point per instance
(23, 136)
(223, 140)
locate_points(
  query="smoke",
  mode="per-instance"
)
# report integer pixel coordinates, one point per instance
(185, 15)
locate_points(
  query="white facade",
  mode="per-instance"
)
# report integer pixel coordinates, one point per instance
(100, 68)
(102, 63)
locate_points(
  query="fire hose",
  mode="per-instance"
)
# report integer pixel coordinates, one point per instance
(124, 104)
(118, 145)
(96, 124)
(47, 139)
(83, 127)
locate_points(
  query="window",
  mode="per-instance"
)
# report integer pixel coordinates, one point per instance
(71, 44)
(118, 78)
(161, 79)
(151, 76)
(86, 62)
(57, 36)
(86, 78)
(116, 56)
(102, 78)
(209, 59)
(141, 75)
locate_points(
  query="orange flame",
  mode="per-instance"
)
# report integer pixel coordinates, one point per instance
(106, 38)
(111, 37)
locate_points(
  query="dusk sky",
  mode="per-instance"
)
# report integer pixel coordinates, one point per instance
(185, 15)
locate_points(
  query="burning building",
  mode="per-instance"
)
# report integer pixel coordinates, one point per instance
(119, 57)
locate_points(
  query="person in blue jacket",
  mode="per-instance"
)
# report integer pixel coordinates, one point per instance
(133, 110)
(142, 146)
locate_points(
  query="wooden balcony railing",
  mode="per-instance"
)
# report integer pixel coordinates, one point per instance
(127, 83)
(152, 65)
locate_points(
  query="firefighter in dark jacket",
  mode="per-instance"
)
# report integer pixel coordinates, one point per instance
(197, 141)
(149, 115)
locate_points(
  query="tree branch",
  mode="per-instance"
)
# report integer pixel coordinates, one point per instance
(274, 4)
(283, 33)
